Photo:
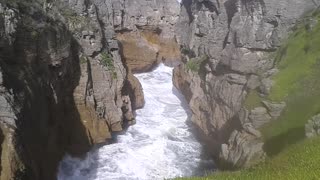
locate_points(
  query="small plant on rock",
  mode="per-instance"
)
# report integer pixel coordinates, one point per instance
(194, 63)
(83, 60)
(106, 60)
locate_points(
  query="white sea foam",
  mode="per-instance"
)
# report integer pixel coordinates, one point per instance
(159, 146)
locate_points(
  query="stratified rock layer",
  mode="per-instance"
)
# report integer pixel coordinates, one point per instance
(236, 36)
(62, 84)
(146, 32)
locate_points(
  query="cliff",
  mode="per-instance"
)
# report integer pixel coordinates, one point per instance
(146, 32)
(227, 62)
(292, 139)
(66, 83)
(63, 84)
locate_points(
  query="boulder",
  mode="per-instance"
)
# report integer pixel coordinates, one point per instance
(135, 91)
(253, 82)
(274, 109)
(259, 116)
(266, 85)
(244, 149)
(312, 128)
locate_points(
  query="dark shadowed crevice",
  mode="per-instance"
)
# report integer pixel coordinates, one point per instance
(188, 5)
(48, 122)
(231, 10)
(211, 6)
(225, 41)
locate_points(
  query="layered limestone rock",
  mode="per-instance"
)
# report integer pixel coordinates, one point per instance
(146, 32)
(62, 83)
(236, 36)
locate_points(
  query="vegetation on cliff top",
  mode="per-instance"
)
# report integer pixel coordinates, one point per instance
(300, 161)
(298, 84)
(291, 155)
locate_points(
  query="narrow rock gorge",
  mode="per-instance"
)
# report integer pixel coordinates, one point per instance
(67, 82)
(145, 30)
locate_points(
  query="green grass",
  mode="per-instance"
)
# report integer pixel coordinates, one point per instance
(83, 60)
(295, 62)
(107, 61)
(194, 63)
(298, 84)
(301, 161)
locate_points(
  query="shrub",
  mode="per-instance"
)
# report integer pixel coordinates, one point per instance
(185, 51)
(194, 63)
(83, 60)
(107, 61)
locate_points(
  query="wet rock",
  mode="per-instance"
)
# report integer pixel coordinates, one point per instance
(127, 110)
(135, 91)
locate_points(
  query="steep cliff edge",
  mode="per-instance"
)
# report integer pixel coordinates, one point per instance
(63, 85)
(292, 140)
(226, 47)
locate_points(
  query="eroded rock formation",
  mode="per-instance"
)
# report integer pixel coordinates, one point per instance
(62, 83)
(67, 84)
(236, 37)
(146, 32)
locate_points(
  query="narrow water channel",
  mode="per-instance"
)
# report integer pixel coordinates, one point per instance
(160, 145)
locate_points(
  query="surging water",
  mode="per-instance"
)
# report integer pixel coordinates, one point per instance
(160, 145)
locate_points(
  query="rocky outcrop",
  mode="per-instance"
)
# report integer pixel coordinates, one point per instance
(274, 109)
(243, 149)
(62, 81)
(135, 91)
(236, 36)
(146, 32)
(312, 128)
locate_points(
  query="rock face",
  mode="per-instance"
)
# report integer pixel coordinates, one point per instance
(236, 36)
(275, 109)
(63, 84)
(244, 149)
(312, 128)
(146, 32)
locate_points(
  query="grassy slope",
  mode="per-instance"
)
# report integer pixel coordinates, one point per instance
(298, 83)
(300, 161)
